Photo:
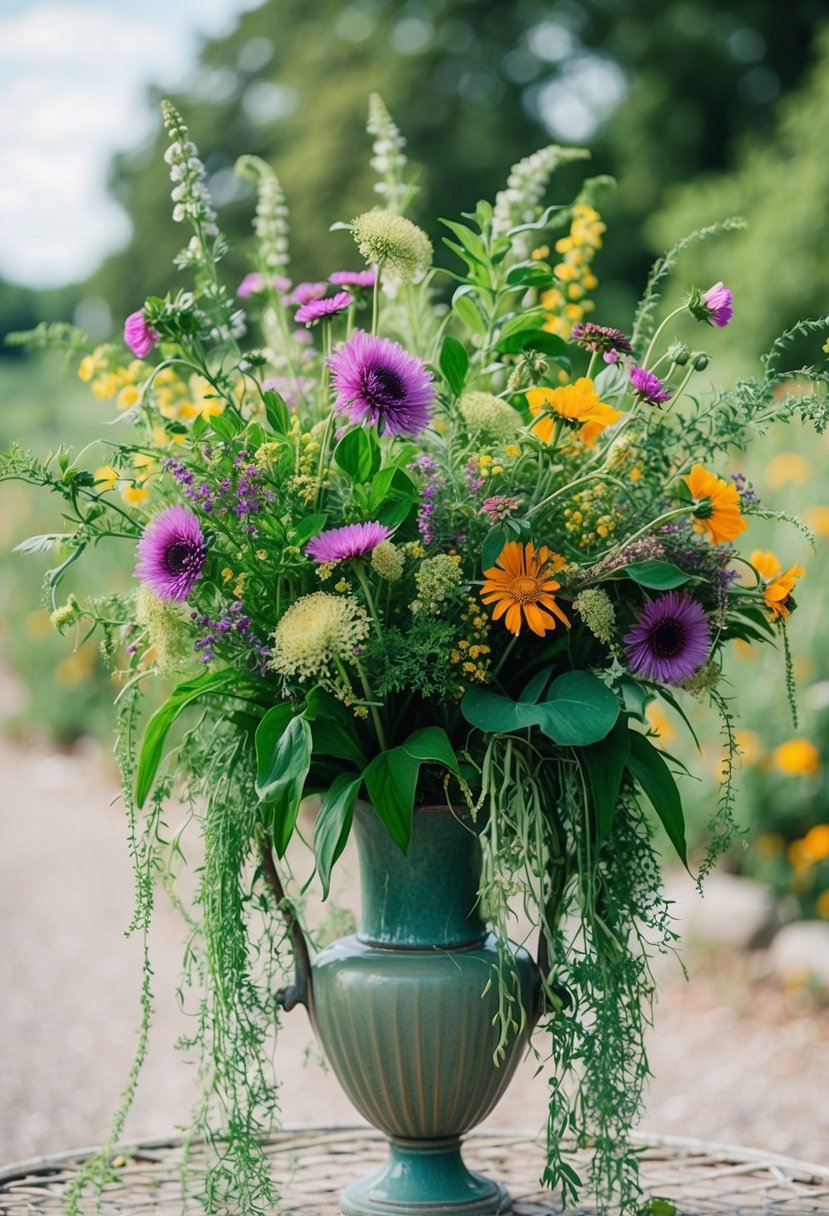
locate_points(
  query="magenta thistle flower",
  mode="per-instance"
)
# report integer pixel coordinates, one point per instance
(255, 282)
(138, 335)
(354, 540)
(648, 386)
(378, 382)
(303, 292)
(719, 304)
(354, 278)
(315, 310)
(670, 640)
(171, 553)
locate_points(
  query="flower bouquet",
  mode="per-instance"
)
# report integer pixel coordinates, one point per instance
(424, 549)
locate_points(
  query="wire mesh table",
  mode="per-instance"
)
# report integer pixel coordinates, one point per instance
(311, 1165)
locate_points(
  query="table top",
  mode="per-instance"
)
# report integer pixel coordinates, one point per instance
(311, 1165)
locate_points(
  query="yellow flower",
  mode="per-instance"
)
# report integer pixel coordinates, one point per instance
(578, 403)
(106, 476)
(816, 842)
(520, 582)
(88, 366)
(797, 757)
(105, 386)
(788, 467)
(778, 583)
(818, 519)
(128, 397)
(145, 466)
(719, 502)
(659, 722)
(134, 495)
(749, 745)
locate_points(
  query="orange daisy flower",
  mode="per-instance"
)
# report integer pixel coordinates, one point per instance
(519, 583)
(577, 403)
(778, 583)
(719, 512)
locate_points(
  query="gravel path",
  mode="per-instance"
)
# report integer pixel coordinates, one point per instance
(735, 1058)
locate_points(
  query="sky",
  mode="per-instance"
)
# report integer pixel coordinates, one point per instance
(72, 80)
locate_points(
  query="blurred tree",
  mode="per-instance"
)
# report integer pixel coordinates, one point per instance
(659, 91)
(777, 267)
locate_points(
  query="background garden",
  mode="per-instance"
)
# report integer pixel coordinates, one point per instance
(696, 110)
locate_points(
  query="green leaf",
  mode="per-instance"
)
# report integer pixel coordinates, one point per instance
(308, 527)
(533, 318)
(577, 711)
(494, 542)
(358, 454)
(604, 763)
(656, 575)
(530, 274)
(646, 765)
(432, 743)
(534, 687)
(635, 698)
(333, 729)
(152, 747)
(276, 411)
(471, 242)
(333, 824)
(283, 758)
(454, 363)
(391, 778)
(469, 313)
(538, 339)
(226, 425)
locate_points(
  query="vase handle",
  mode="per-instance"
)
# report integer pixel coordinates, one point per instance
(301, 991)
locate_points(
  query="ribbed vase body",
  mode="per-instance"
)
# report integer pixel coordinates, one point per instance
(405, 1016)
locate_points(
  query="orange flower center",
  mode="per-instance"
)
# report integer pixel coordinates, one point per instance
(525, 589)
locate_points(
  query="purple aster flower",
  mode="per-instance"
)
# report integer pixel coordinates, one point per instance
(719, 304)
(303, 292)
(377, 381)
(315, 310)
(138, 335)
(255, 282)
(354, 540)
(670, 640)
(648, 386)
(171, 553)
(354, 278)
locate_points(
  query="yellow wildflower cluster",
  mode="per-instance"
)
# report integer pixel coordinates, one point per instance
(592, 515)
(566, 303)
(811, 848)
(472, 654)
(305, 482)
(485, 466)
(183, 400)
(238, 580)
(107, 379)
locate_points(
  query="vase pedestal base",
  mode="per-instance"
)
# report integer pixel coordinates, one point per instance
(425, 1178)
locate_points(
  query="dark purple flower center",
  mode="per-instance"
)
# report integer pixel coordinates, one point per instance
(180, 557)
(382, 387)
(667, 639)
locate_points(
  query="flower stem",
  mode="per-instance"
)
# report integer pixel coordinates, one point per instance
(655, 337)
(375, 299)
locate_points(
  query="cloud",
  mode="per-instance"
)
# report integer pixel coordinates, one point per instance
(72, 80)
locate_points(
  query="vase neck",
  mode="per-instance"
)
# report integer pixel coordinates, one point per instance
(427, 897)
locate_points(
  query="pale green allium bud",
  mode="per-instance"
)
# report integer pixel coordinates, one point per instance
(530, 369)
(438, 579)
(492, 415)
(387, 561)
(386, 239)
(596, 610)
(167, 630)
(679, 353)
(65, 616)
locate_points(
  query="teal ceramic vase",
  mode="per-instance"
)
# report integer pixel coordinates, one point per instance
(404, 1011)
